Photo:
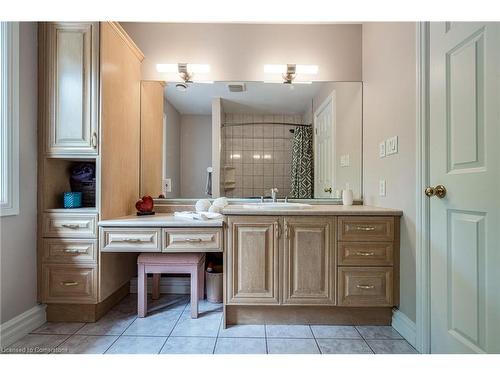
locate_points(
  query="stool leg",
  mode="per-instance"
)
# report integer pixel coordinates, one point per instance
(194, 292)
(201, 281)
(142, 291)
(156, 285)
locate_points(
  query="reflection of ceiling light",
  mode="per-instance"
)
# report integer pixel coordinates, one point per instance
(290, 71)
(256, 156)
(235, 156)
(267, 156)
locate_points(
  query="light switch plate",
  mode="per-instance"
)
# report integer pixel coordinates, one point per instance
(381, 188)
(391, 146)
(167, 185)
(344, 160)
(381, 150)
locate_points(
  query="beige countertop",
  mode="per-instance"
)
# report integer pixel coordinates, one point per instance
(329, 209)
(159, 220)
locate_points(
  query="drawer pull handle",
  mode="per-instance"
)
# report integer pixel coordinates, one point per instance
(71, 226)
(365, 253)
(193, 240)
(73, 251)
(69, 283)
(365, 228)
(365, 286)
(132, 240)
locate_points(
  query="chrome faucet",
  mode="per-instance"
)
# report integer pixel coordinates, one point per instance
(273, 194)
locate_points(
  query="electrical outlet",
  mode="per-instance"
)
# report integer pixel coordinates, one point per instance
(344, 160)
(381, 150)
(381, 188)
(391, 145)
(167, 185)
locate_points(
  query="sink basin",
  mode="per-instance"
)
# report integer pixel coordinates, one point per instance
(276, 206)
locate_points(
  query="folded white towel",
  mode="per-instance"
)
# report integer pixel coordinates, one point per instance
(198, 215)
(220, 202)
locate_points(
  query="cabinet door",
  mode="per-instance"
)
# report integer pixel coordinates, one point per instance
(309, 261)
(71, 87)
(252, 260)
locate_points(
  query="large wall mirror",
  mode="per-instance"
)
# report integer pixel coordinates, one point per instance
(241, 139)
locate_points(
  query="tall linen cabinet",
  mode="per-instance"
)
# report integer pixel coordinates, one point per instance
(89, 111)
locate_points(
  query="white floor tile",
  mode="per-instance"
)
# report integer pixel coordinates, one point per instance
(243, 330)
(378, 332)
(335, 332)
(137, 345)
(343, 346)
(391, 347)
(229, 345)
(292, 346)
(189, 345)
(154, 324)
(289, 331)
(81, 344)
(113, 323)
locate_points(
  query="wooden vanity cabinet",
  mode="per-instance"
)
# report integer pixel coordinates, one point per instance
(252, 260)
(71, 72)
(89, 111)
(308, 260)
(324, 261)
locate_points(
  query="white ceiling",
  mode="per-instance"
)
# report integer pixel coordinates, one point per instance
(259, 97)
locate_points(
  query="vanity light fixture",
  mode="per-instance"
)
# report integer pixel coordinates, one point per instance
(290, 71)
(186, 72)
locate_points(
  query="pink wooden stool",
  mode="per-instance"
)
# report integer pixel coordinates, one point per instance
(192, 263)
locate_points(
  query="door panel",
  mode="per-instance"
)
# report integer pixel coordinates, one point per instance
(72, 74)
(252, 260)
(324, 125)
(463, 139)
(309, 262)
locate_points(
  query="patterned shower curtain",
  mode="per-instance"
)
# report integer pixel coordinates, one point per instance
(302, 163)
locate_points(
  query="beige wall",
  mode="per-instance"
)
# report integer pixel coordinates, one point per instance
(172, 148)
(239, 51)
(389, 109)
(196, 154)
(348, 128)
(18, 279)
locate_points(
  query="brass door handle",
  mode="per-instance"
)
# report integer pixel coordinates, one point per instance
(93, 140)
(73, 251)
(328, 190)
(439, 191)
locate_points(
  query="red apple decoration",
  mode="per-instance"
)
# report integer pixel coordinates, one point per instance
(145, 204)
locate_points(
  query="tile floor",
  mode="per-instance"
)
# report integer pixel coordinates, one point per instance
(168, 329)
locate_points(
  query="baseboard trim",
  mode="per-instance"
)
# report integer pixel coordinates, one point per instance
(171, 285)
(21, 325)
(405, 326)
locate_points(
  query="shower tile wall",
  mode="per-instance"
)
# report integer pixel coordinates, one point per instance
(257, 157)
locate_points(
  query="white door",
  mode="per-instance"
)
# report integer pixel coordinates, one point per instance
(464, 141)
(324, 125)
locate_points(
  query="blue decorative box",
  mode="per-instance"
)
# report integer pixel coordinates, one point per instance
(72, 199)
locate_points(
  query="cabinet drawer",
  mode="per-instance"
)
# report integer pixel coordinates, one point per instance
(367, 228)
(369, 286)
(130, 239)
(365, 253)
(70, 225)
(192, 239)
(69, 284)
(69, 250)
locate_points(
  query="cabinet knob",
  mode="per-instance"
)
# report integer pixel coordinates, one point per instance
(328, 190)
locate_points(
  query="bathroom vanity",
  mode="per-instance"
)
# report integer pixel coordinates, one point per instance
(319, 264)
(325, 264)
